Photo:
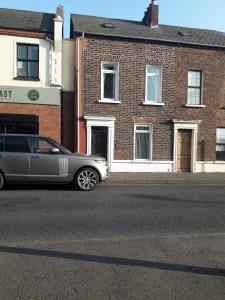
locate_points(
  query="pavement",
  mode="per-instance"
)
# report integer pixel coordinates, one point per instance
(166, 178)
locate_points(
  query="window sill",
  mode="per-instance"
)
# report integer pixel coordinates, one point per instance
(110, 101)
(195, 106)
(154, 104)
(26, 78)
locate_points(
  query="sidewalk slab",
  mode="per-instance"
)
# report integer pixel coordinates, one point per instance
(166, 178)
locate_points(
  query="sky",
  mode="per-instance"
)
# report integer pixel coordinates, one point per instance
(188, 13)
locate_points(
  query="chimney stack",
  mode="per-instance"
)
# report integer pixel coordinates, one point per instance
(151, 17)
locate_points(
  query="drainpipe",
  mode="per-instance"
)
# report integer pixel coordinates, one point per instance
(78, 92)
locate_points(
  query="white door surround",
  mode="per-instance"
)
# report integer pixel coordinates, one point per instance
(93, 121)
(193, 126)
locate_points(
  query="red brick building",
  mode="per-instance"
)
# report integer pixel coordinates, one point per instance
(150, 97)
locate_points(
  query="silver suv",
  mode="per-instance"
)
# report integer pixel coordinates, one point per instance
(36, 159)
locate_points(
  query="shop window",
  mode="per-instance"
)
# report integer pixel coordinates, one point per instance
(27, 61)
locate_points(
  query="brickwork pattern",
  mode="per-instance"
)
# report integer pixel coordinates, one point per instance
(176, 61)
(49, 117)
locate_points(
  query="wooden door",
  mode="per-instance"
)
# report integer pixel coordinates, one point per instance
(184, 151)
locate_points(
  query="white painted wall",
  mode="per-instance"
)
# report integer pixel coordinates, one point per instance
(134, 166)
(68, 67)
(8, 61)
(210, 167)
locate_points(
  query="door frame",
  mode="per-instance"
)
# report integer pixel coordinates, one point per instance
(189, 125)
(109, 122)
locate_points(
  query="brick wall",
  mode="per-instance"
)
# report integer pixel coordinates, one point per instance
(49, 117)
(212, 64)
(176, 61)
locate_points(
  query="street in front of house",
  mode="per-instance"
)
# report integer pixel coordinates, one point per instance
(117, 242)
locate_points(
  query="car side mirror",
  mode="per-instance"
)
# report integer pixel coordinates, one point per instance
(54, 151)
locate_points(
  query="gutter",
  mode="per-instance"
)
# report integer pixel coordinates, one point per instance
(152, 39)
(78, 92)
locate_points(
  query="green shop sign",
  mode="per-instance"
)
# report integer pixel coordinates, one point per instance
(33, 95)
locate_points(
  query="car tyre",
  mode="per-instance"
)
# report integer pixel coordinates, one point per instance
(86, 179)
(2, 181)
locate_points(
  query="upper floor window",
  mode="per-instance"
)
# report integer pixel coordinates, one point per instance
(27, 61)
(142, 141)
(110, 80)
(194, 87)
(220, 144)
(153, 85)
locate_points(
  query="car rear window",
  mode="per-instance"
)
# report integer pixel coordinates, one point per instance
(16, 144)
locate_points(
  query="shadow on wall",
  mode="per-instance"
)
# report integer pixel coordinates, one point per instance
(116, 261)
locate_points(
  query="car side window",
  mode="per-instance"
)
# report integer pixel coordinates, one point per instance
(40, 145)
(1, 143)
(16, 144)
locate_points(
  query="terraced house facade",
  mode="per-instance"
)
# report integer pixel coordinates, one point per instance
(31, 72)
(149, 97)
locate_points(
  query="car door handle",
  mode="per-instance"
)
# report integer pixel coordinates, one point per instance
(36, 156)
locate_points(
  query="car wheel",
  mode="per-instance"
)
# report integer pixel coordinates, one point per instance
(2, 181)
(86, 179)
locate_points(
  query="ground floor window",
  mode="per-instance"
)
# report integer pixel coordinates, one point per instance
(220, 144)
(19, 124)
(142, 141)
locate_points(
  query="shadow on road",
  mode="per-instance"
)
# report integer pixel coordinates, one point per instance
(115, 261)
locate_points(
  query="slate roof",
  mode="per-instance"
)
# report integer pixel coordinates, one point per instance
(137, 30)
(26, 20)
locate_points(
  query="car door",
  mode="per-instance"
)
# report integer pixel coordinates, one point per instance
(14, 160)
(44, 165)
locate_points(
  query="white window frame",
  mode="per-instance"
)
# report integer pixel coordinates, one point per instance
(201, 90)
(150, 131)
(147, 101)
(116, 73)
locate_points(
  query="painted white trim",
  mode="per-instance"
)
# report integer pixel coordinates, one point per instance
(102, 122)
(110, 101)
(153, 103)
(210, 166)
(201, 88)
(146, 84)
(78, 92)
(195, 105)
(116, 73)
(193, 126)
(150, 126)
(142, 166)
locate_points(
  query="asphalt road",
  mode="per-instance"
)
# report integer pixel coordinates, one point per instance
(117, 242)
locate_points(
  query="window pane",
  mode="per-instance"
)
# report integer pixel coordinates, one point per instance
(220, 135)
(1, 144)
(33, 69)
(194, 96)
(154, 70)
(40, 145)
(16, 144)
(110, 67)
(22, 51)
(194, 78)
(33, 52)
(109, 86)
(142, 147)
(153, 88)
(22, 68)
(146, 128)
